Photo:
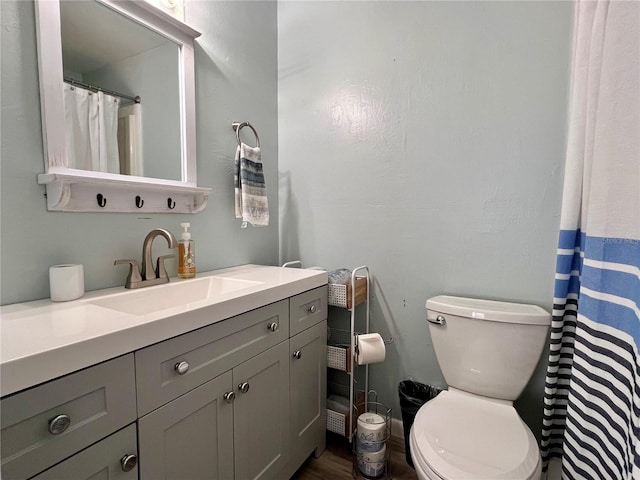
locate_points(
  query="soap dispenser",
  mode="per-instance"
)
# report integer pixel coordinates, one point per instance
(186, 254)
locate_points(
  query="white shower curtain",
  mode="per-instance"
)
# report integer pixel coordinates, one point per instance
(130, 140)
(81, 122)
(91, 121)
(592, 391)
(108, 128)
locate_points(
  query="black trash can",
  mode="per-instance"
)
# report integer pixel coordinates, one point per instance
(412, 396)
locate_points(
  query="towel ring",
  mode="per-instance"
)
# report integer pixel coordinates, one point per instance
(239, 126)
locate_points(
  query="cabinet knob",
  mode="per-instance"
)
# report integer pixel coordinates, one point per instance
(128, 462)
(181, 367)
(229, 397)
(312, 309)
(243, 387)
(273, 327)
(59, 424)
(297, 354)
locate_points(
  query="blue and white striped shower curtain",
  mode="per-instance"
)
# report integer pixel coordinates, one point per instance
(592, 391)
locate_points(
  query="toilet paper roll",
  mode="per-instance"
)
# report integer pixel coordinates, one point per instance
(372, 464)
(371, 470)
(364, 446)
(374, 457)
(66, 282)
(370, 349)
(371, 432)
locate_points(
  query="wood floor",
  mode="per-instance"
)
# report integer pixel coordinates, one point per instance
(336, 463)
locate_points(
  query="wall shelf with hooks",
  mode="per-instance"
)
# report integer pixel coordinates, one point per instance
(79, 191)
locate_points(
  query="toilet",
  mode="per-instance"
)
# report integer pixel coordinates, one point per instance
(487, 351)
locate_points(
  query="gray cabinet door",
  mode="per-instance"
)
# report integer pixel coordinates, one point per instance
(308, 376)
(102, 461)
(261, 415)
(190, 437)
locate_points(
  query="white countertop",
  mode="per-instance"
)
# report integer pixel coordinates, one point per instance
(42, 340)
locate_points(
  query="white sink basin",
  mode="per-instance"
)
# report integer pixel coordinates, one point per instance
(172, 295)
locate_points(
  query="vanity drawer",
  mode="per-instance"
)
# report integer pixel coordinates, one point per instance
(171, 368)
(106, 457)
(307, 309)
(97, 401)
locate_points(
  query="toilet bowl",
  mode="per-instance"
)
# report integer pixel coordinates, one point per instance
(461, 436)
(487, 351)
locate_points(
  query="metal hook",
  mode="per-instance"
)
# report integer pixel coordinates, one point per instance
(237, 126)
(102, 200)
(139, 201)
(171, 203)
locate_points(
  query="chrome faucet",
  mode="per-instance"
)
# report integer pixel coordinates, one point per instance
(150, 275)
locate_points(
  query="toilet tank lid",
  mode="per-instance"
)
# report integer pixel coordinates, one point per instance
(489, 310)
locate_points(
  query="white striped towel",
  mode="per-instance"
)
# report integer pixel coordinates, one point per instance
(250, 189)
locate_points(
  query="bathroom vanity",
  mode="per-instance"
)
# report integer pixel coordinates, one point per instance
(222, 376)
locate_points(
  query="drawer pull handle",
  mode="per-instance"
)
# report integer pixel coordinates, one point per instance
(243, 387)
(229, 397)
(273, 327)
(128, 462)
(59, 424)
(297, 354)
(181, 367)
(312, 309)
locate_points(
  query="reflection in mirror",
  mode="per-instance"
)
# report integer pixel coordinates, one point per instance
(121, 94)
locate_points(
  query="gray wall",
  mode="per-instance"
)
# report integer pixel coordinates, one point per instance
(425, 140)
(236, 79)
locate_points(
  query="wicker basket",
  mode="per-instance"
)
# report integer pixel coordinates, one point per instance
(340, 295)
(338, 422)
(338, 357)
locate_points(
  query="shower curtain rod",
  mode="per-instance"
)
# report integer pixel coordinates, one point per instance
(93, 88)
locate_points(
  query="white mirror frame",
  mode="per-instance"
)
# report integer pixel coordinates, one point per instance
(73, 190)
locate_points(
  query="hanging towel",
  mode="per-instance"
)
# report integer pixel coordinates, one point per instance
(250, 190)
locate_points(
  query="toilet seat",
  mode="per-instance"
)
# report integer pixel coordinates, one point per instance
(463, 436)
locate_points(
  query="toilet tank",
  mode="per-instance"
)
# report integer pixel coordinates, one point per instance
(487, 347)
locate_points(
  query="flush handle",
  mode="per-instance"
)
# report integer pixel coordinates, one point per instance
(439, 320)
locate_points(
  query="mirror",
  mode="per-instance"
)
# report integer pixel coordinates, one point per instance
(118, 107)
(138, 115)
